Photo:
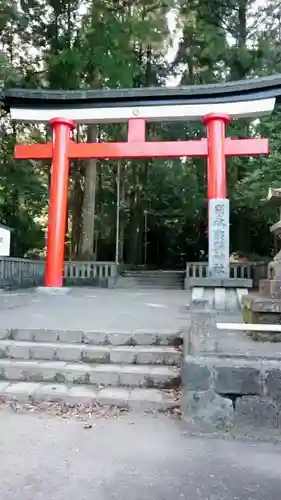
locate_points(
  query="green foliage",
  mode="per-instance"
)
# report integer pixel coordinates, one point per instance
(263, 172)
(23, 195)
(65, 44)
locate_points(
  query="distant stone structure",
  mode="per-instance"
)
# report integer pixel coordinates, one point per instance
(265, 306)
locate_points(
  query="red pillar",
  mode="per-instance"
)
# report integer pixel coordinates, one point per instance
(58, 202)
(218, 205)
(215, 124)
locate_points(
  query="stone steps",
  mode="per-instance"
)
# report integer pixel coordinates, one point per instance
(146, 376)
(138, 369)
(145, 400)
(59, 351)
(95, 337)
(155, 274)
(123, 283)
(152, 279)
(166, 280)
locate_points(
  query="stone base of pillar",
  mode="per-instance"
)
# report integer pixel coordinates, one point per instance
(217, 282)
(53, 290)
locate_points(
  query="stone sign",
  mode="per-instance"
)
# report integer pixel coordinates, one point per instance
(219, 238)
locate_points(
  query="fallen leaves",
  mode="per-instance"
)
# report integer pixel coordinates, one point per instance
(80, 412)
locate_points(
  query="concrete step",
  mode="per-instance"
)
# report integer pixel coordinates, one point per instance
(151, 279)
(165, 280)
(135, 283)
(139, 355)
(124, 282)
(139, 337)
(146, 286)
(159, 283)
(147, 376)
(155, 274)
(144, 400)
(159, 279)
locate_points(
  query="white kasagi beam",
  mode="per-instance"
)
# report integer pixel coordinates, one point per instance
(239, 109)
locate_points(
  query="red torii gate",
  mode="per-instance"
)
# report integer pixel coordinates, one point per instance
(215, 147)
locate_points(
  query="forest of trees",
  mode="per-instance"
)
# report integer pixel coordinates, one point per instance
(83, 44)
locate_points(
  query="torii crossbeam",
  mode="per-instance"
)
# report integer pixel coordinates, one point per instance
(63, 149)
(214, 104)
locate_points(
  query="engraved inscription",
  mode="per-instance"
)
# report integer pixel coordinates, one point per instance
(219, 238)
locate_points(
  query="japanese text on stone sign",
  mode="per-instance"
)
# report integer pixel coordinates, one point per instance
(219, 239)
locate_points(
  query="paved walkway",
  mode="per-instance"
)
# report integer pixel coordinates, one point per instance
(95, 308)
(139, 458)
(123, 311)
(237, 343)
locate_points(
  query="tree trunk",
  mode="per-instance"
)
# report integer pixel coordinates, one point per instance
(122, 203)
(88, 210)
(77, 201)
(133, 225)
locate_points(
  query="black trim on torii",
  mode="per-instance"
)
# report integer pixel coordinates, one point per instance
(242, 90)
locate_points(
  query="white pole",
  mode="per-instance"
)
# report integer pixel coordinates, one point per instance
(145, 237)
(117, 213)
(250, 327)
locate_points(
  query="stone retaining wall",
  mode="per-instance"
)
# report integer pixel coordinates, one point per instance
(225, 391)
(229, 381)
